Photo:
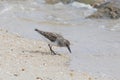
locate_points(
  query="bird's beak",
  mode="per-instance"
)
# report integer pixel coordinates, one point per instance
(68, 48)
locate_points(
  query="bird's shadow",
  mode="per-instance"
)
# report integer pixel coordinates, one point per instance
(41, 52)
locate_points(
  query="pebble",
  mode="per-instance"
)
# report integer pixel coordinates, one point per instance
(15, 74)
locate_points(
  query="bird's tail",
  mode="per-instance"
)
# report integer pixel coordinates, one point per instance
(48, 35)
(41, 32)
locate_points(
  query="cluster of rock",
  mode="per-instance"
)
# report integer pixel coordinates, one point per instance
(57, 1)
(107, 10)
(69, 1)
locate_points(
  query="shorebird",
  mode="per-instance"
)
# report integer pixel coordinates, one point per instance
(55, 39)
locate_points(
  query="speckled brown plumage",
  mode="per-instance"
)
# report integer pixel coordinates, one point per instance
(55, 38)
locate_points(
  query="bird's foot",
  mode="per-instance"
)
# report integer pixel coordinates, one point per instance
(53, 53)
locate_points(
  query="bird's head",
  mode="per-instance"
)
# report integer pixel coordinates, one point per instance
(67, 43)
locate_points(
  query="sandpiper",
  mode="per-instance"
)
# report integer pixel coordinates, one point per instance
(55, 39)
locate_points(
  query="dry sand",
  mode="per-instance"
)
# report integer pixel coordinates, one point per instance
(24, 59)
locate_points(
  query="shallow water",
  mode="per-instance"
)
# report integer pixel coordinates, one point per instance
(95, 43)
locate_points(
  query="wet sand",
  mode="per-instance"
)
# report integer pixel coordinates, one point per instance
(24, 59)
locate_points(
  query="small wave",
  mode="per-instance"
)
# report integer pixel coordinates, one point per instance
(6, 9)
(81, 5)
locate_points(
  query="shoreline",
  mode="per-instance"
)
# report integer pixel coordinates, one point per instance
(23, 59)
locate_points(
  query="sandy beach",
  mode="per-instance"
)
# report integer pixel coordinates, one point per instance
(24, 59)
(25, 55)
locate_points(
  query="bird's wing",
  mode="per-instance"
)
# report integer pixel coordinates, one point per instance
(49, 35)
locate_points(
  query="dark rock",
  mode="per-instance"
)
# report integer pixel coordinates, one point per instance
(85, 1)
(57, 1)
(107, 10)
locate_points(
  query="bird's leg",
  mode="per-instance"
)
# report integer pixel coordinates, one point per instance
(51, 49)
